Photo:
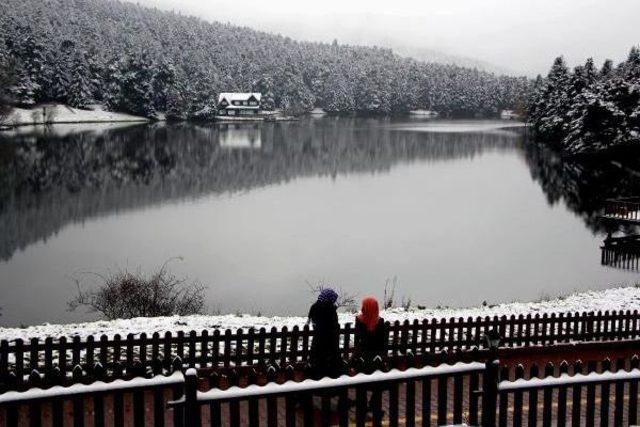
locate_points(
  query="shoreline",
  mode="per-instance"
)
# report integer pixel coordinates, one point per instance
(611, 299)
(57, 114)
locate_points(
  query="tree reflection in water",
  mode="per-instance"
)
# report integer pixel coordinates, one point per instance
(49, 180)
(584, 183)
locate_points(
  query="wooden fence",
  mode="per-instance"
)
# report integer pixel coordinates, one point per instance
(59, 358)
(578, 396)
(438, 395)
(603, 393)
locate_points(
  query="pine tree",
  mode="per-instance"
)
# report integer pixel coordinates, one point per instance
(7, 76)
(80, 93)
(552, 123)
(607, 68)
(135, 91)
(164, 82)
(28, 53)
(60, 72)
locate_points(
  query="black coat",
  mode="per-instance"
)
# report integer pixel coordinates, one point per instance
(325, 352)
(370, 344)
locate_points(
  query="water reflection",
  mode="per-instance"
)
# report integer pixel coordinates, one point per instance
(49, 179)
(621, 252)
(584, 183)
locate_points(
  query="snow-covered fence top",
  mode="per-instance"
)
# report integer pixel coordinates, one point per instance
(95, 387)
(566, 380)
(572, 395)
(309, 385)
(291, 403)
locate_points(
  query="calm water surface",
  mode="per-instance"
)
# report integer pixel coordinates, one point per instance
(457, 212)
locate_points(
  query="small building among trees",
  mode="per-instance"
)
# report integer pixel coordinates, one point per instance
(239, 104)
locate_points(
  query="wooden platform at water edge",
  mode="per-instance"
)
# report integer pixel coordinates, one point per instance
(622, 211)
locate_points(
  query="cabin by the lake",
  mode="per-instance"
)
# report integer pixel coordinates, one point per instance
(239, 104)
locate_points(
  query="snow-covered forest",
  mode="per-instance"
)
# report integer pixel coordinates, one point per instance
(145, 62)
(588, 109)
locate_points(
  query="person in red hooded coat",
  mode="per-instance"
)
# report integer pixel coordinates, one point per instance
(371, 333)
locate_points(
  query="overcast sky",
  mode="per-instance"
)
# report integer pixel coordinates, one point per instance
(523, 36)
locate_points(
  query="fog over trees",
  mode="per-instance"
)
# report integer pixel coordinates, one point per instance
(589, 109)
(144, 61)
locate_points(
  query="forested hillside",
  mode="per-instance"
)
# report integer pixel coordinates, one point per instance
(588, 109)
(144, 61)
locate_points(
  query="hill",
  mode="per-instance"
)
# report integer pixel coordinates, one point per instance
(144, 61)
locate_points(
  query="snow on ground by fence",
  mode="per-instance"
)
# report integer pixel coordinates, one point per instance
(623, 298)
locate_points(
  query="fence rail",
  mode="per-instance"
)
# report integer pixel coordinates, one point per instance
(396, 395)
(261, 348)
(584, 397)
(604, 394)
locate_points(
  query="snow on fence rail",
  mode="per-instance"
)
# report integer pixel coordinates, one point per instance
(400, 396)
(116, 402)
(474, 393)
(606, 398)
(291, 346)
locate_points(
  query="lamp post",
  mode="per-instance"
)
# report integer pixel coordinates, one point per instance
(492, 341)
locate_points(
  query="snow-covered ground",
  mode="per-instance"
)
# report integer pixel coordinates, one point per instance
(51, 114)
(462, 126)
(623, 298)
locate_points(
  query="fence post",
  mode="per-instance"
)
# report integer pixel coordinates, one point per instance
(191, 406)
(490, 393)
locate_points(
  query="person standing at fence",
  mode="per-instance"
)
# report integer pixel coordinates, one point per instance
(325, 357)
(371, 336)
(371, 343)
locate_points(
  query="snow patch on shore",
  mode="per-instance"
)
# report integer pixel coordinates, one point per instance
(623, 298)
(58, 113)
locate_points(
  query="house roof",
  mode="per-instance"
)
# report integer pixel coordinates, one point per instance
(238, 96)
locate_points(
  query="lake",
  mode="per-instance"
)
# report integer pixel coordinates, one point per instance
(453, 212)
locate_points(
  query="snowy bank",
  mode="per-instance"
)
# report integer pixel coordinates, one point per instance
(57, 113)
(623, 298)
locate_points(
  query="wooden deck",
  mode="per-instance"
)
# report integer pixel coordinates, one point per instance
(623, 211)
(622, 252)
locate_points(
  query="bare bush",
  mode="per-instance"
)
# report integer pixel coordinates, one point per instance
(389, 300)
(124, 295)
(345, 300)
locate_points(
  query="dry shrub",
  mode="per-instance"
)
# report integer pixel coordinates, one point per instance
(124, 295)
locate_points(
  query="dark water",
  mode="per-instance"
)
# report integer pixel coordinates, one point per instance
(457, 212)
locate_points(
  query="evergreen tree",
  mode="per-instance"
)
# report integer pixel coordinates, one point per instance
(164, 83)
(7, 77)
(27, 51)
(607, 69)
(595, 111)
(135, 86)
(80, 93)
(555, 97)
(59, 73)
(196, 60)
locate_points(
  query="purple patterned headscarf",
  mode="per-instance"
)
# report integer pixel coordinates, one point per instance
(328, 295)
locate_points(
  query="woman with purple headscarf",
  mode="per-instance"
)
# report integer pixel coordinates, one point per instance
(325, 354)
